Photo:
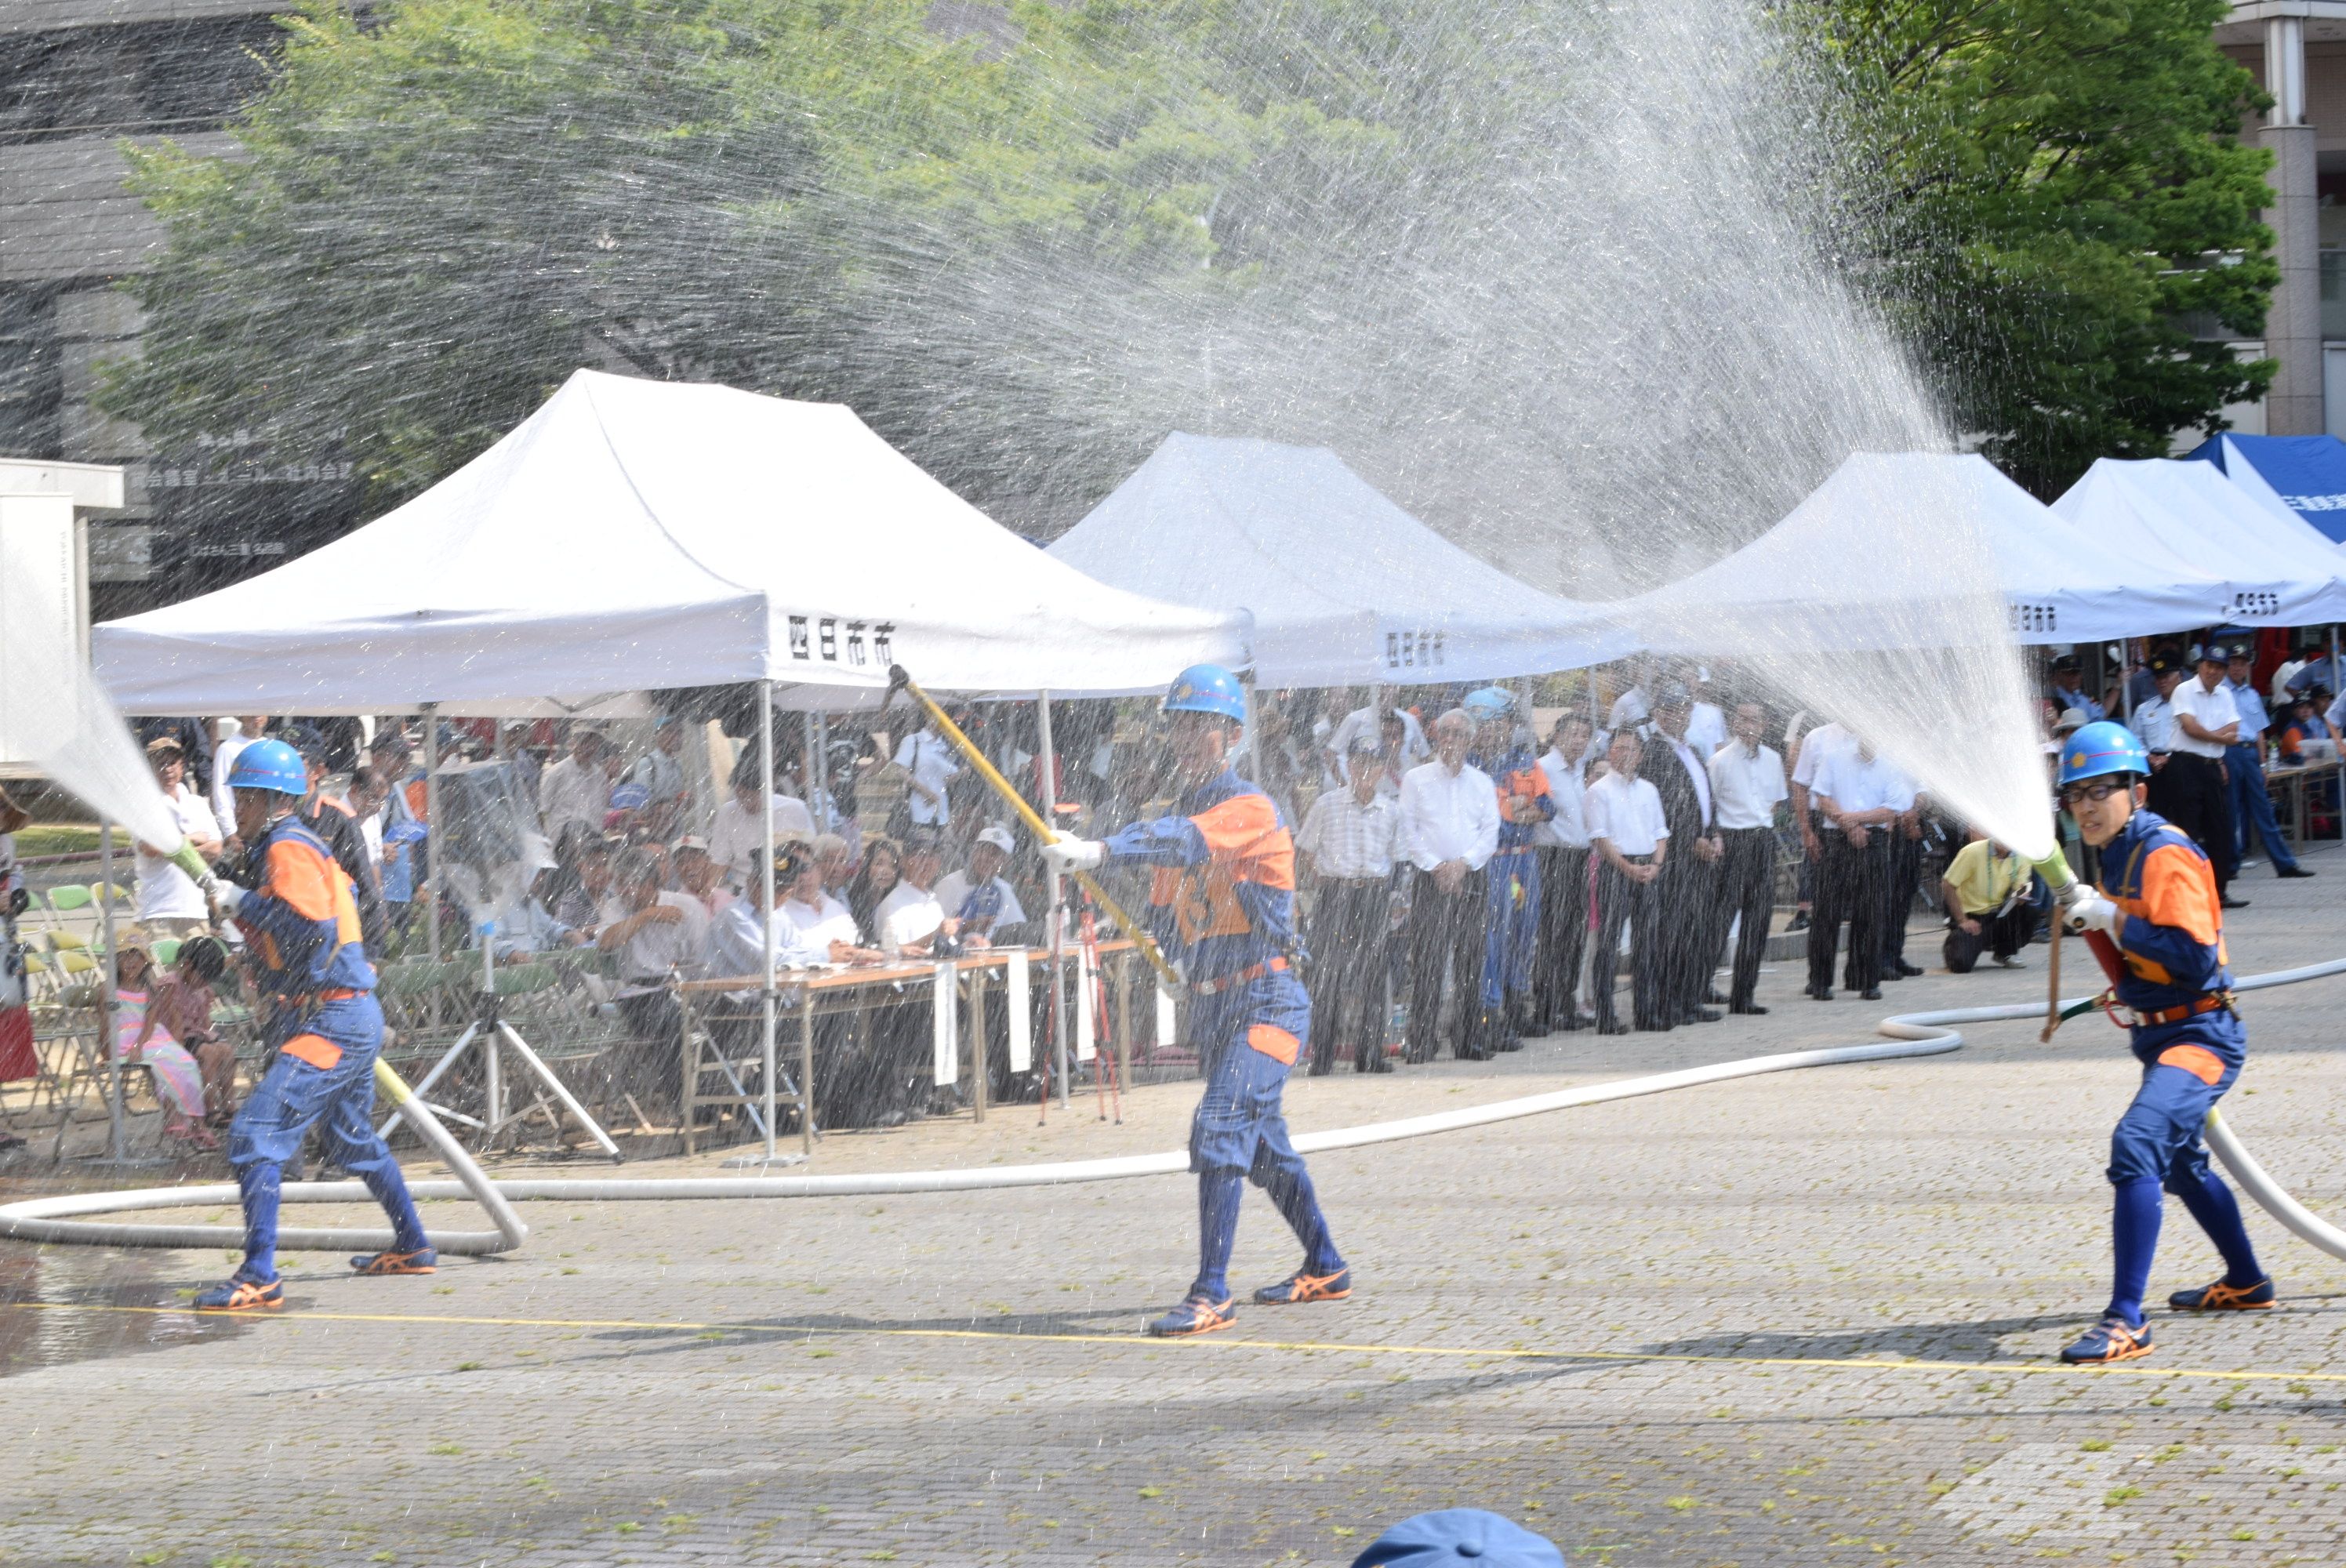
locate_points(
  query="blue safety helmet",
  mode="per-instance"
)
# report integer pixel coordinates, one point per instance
(269, 765)
(1489, 703)
(2103, 747)
(1206, 688)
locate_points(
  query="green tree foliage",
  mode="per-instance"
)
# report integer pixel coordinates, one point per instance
(2062, 188)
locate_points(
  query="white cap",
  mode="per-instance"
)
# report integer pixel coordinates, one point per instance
(997, 835)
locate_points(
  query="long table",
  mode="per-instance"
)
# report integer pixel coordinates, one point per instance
(836, 990)
(2297, 783)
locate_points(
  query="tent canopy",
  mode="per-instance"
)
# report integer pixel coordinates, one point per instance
(1873, 559)
(2190, 514)
(1342, 586)
(2303, 474)
(636, 535)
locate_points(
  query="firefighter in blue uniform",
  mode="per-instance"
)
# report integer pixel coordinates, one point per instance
(1222, 904)
(1512, 912)
(2160, 906)
(301, 925)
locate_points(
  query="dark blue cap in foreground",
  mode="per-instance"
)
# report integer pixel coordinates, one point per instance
(1460, 1536)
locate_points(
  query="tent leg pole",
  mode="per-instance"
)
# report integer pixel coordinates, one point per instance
(431, 816)
(826, 811)
(766, 1002)
(1047, 791)
(105, 983)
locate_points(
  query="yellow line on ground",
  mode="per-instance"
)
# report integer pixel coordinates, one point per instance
(1313, 1347)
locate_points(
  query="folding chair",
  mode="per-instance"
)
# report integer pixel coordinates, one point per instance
(165, 950)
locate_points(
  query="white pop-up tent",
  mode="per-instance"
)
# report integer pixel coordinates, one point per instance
(636, 535)
(1341, 586)
(1870, 559)
(2274, 569)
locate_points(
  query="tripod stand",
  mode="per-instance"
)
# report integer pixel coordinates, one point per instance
(491, 1031)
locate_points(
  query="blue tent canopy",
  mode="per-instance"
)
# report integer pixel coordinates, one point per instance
(2306, 473)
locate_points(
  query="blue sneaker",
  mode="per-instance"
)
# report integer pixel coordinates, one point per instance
(1304, 1286)
(1195, 1316)
(422, 1260)
(241, 1295)
(2111, 1339)
(2222, 1298)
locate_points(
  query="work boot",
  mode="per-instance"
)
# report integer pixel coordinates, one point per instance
(2222, 1298)
(1195, 1316)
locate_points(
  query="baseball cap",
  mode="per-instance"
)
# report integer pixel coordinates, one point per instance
(689, 841)
(1460, 1535)
(997, 835)
(2166, 664)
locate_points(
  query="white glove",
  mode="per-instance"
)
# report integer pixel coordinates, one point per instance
(1066, 853)
(2095, 913)
(227, 895)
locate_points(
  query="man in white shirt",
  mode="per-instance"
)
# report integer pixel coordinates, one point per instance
(1371, 720)
(980, 897)
(651, 934)
(1631, 840)
(1705, 728)
(249, 728)
(1860, 798)
(2192, 790)
(668, 797)
(573, 789)
(1348, 844)
(912, 914)
(737, 829)
(170, 902)
(932, 766)
(1450, 828)
(2251, 800)
(1562, 845)
(1747, 784)
(1633, 707)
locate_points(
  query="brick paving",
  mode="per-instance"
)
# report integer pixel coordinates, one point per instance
(1629, 1325)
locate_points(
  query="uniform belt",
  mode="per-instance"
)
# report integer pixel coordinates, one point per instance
(339, 993)
(2182, 1011)
(1256, 971)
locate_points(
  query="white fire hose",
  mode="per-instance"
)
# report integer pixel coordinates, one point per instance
(51, 1219)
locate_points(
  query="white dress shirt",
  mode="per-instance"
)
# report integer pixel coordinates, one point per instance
(164, 892)
(931, 761)
(1369, 723)
(1628, 812)
(906, 915)
(737, 946)
(1348, 840)
(1747, 782)
(682, 945)
(1855, 784)
(567, 793)
(1705, 727)
(1825, 740)
(1566, 785)
(224, 756)
(737, 834)
(1629, 711)
(2213, 709)
(1448, 816)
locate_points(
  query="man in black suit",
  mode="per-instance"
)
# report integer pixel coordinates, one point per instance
(1688, 889)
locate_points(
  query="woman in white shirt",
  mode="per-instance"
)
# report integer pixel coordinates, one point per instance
(821, 923)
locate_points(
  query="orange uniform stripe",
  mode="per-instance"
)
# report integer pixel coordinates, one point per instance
(1274, 1042)
(2178, 888)
(302, 878)
(2197, 1060)
(1243, 833)
(315, 1048)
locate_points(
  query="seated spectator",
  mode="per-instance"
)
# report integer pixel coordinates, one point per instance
(137, 1041)
(838, 863)
(528, 929)
(170, 902)
(738, 830)
(980, 899)
(181, 1009)
(697, 873)
(1990, 897)
(737, 938)
(883, 869)
(822, 921)
(653, 934)
(911, 917)
(2305, 723)
(579, 905)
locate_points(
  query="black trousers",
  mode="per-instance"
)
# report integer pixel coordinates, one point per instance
(1447, 926)
(1687, 931)
(1849, 890)
(1347, 969)
(1563, 937)
(2190, 793)
(1622, 902)
(1999, 934)
(1903, 869)
(1747, 889)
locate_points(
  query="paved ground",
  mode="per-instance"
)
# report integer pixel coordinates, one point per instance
(1797, 1319)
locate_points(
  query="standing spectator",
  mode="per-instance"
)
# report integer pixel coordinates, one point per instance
(1511, 937)
(2190, 791)
(1987, 892)
(1632, 839)
(528, 773)
(1450, 826)
(1633, 707)
(738, 830)
(170, 902)
(195, 743)
(659, 773)
(930, 768)
(1687, 893)
(252, 728)
(1747, 781)
(1860, 797)
(1705, 728)
(1901, 873)
(980, 898)
(367, 795)
(2154, 717)
(1348, 844)
(573, 789)
(1408, 751)
(1562, 845)
(1806, 750)
(402, 830)
(2252, 808)
(2068, 690)
(2315, 671)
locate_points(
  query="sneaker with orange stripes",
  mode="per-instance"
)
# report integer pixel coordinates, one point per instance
(2222, 1298)
(422, 1260)
(1195, 1316)
(241, 1295)
(1304, 1286)
(2111, 1339)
